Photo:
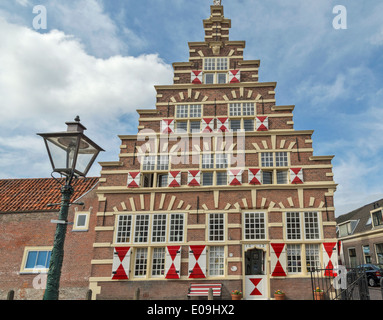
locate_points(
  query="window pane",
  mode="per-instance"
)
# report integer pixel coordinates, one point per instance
(209, 64)
(149, 163)
(31, 260)
(293, 226)
(235, 125)
(281, 177)
(221, 160)
(158, 262)
(221, 77)
(142, 228)
(216, 261)
(159, 228)
(81, 219)
(182, 111)
(176, 228)
(221, 178)
(248, 109)
(294, 258)
(216, 227)
(207, 178)
(254, 226)
(248, 124)
(267, 177)
(141, 262)
(312, 257)
(235, 109)
(195, 126)
(195, 111)
(207, 161)
(267, 159)
(41, 259)
(311, 225)
(281, 159)
(221, 63)
(209, 78)
(182, 126)
(163, 163)
(124, 228)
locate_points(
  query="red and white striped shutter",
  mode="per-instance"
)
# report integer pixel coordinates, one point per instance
(296, 175)
(234, 76)
(262, 124)
(167, 126)
(194, 178)
(134, 179)
(121, 263)
(255, 176)
(197, 262)
(223, 124)
(196, 77)
(330, 258)
(278, 259)
(207, 124)
(174, 179)
(235, 177)
(172, 262)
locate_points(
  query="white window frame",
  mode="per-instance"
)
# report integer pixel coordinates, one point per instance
(254, 218)
(216, 261)
(158, 262)
(175, 223)
(312, 252)
(216, 230)
(294, 258)
(159, 230)
(125, 222)
(141, 262)
(311, 232)
(304, 226)
(37, 268)
(76, 226)
(142, 226)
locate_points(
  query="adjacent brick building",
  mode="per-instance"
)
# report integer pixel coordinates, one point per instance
(26, 237)
(217, 187)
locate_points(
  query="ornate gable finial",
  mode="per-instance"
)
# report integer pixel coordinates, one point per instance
(217, 2)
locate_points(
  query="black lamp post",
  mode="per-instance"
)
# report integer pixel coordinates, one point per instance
(71, 154)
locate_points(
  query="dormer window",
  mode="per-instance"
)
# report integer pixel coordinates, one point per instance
(377, 218)
(347, 228)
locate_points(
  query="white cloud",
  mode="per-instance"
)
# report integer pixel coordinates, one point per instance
(47, 79)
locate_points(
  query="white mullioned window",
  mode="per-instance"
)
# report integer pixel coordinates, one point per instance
(312, 257)
(176, 232)
(294, 259)
(311, 225)
(267, 159)
(149, 163)
(216, 227)
(124, 228)
(141, 231)
(162, 162)
(281, 159)
(158, 262)
(141, 261)
(159, 228)
(207, 161)
(254, 226)
(216, 261)
(293, 226)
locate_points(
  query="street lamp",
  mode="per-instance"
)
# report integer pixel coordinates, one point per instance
(71, 154)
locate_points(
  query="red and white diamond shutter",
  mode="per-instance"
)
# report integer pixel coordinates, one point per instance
(197, 262)
(196, 77)
(235, 177)
(194, 178)
(255, 176)
(278, 259)
(330, 258)
(134, 179)
(121, 263)
(172, 262)
(296, 175)
(223, 124)
(234, 76)
(174, 179)
(167, 126)
(207, 124)
(262, 123)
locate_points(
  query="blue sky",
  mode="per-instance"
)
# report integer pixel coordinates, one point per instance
(101, 59)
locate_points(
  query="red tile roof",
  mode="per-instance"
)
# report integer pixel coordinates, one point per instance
(28, 195)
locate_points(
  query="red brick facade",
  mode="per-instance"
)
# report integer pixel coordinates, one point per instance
(261, 205)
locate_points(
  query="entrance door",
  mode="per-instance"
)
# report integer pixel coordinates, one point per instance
(255, 276)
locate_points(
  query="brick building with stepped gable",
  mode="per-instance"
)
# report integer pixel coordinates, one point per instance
(217, 187)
